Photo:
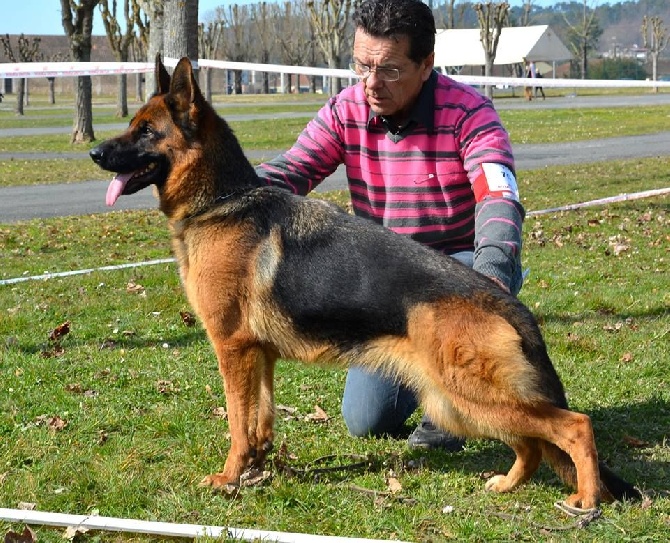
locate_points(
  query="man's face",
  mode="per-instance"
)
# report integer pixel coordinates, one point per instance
(392, 99)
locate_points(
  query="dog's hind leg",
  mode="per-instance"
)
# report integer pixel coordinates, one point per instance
(572, 432)
(528, 458)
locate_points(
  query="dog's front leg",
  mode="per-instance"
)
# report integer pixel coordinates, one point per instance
(241, 367)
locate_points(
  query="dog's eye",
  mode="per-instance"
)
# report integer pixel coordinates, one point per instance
(145, 129)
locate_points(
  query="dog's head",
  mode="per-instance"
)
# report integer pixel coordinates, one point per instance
(160, 131)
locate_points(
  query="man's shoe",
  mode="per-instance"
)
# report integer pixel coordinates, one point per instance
(428, 436)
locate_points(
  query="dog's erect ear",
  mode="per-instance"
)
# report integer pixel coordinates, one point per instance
(184, 87)
(161, 76)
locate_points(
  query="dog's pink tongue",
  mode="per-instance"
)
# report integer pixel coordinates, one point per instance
(116, 187)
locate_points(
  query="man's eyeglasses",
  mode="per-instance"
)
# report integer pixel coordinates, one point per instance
(385, 74)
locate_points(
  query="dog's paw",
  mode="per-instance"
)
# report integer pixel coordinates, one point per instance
(581, 504)
(497, 483)
(219, 483)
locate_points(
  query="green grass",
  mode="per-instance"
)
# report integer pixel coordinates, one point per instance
(138, 388)
(564, 125)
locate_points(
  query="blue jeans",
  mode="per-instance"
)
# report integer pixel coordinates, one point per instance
(374, 404)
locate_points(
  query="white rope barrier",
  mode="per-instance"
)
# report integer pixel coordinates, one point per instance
(72, 69)
(49, 275)
(114, 524)
(600, 201)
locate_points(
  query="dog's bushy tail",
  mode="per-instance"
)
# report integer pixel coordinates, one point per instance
(612, 487)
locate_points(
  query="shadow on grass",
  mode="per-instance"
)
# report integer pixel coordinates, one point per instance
(628, 438)
(603, 310)
(631, 440)
(184, 339)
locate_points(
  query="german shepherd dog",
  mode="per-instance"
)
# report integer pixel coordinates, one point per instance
(272, 275)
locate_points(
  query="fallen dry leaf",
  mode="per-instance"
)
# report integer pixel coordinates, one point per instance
(53, 353)
(75, 388)
(393, 485)
(319, 415)
(255, 477)
(27, 536)
(134, 288)
(627, 357)
(56, 424)
(71, 532)
(635, 442)
(187, 318)
(166, 387)
(60, 331)
(220, 413)
(287, 412)
(102, 437)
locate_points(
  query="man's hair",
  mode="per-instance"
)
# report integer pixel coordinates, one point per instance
(396, 18)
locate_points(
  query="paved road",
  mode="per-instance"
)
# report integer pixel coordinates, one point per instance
(22, 203)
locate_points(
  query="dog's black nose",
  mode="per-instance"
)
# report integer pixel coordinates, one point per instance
(96, 154)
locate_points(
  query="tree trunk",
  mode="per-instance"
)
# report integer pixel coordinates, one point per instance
(488, 71)
(122, 96)
(20, 92)
(237, 82)
(79, 32)
(180, 31)
(52, 90)
(208, 84)
(82, 131)
(139, 95)
(154, 10)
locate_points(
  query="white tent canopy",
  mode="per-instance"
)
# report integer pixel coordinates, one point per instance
(462, 47)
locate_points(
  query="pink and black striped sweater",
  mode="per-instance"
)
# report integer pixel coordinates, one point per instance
(424, 180)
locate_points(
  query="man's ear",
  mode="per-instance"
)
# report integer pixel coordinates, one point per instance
(427, 66)
(161, 76)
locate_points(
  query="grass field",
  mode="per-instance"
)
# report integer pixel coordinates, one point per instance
(125, 414)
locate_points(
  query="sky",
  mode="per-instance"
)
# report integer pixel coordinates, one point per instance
(33, 17)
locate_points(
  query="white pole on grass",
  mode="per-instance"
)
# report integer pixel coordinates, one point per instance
(113, 524)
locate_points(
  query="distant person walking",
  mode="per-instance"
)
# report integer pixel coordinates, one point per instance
(529, 72)
(539, 88)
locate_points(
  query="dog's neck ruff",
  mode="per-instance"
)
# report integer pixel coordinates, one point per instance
(211, 206)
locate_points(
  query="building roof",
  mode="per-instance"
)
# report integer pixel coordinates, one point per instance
(462, 47)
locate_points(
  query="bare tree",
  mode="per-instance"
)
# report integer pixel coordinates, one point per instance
(452, 15)
(583, 36)
(78, 25)
(138, 49)
(236, 21)
(295, 36)
(263, 17)
(209, 39)
(527, 10)
(155, 12)
(330, 20)
(491, 16)
(655, 39)
(28, 52)
(120, 41)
